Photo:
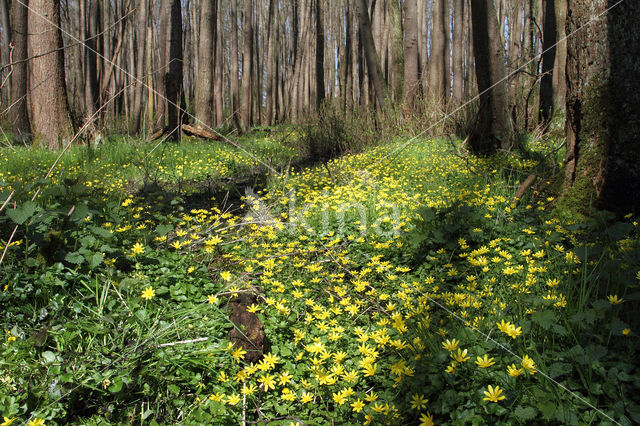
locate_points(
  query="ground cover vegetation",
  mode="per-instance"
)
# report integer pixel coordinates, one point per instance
(400, 285)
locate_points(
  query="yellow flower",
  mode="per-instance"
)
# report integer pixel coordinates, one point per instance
(451, 368)
(248, 390)
(339, 398)
(267, 381)
(484, 362)
(137, 249)
(514, 371)
(626, 331)
(357, 405)
(6, 421)
(614, 300)
(426, 419)
(529, 364)
(254, 308)
(233, 399)
(226, 275)
(284, 378)
(36, 422)
(460, 356)
(238, 354)
(306, 397)
(493, 395)
(418, 402)
(148, 293)
(212, 299)
(450, 345)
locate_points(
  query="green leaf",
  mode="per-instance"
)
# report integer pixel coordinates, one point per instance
(95, 260)
(548, 409)
(74, 257)
(525, 413)
(163, 230)
(116, 385)
(49, 357)
(544, 319)
(21, 214)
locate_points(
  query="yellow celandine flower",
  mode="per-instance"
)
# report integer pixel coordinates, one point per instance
(271, 359)
(226, 275)
(233, 399)
(267, 381)
(451, 368)
(426, 419)
(238, 354)
(6, 421)
(211, 299)
(528, 364)
(218, 397)
(284, 378)
(514, 371)
(148, 293)
(248, 390)
(137, 249)
(460, 355)
(287, 395)
(36, 422)
(339, 398)
(614, 300)
(306, 397)
(626, 331)
(493, 394)
(418, 402)
(484, 362)
(450, 345)
(357, 405)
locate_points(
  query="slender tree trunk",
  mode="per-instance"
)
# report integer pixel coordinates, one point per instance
(91, 28)
(559, 72)
(458, 51)
(545, 110)
(4, 54)
(320, 88)
(245, 100)
(603, 108)
(219, 66)
(173, 77)
(163, 62)
(411, 76)
(437, 68)
(140, 66)
(271, 41)
(204, 82)
(370, 54)
(234, 63)
(494, 129)
(19, 117)
(49, 105)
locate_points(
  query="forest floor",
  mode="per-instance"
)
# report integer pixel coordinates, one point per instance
(401, 285)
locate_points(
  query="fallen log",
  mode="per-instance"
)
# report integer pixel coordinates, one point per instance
(524, 186)
(189, 130)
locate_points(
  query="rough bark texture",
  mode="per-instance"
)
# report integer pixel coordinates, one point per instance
(19, 117)
(603, 108)
(494, 128)
(245, 100)
(559, 72)
(411, 76)
(545, 110)
(437, 68)
(49, 106)
(204, 80)
(173, 78)
(140, 65)
(320, 89)
(458, 50)
(369, 50)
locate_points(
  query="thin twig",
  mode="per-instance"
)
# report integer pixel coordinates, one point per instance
(184, 342)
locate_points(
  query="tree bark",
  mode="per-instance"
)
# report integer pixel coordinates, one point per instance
(371, 57)
(437, 67)
(173, 77)
(320, 89)
(5, 55)
(204, 82)
(140, 65)
(493, 130)
(19, 74)
(234, 64)
(458, 51)
(411, 76)
(603, 108)
(245, 100)
(51, 120)
(545, 110)
(559, 72)
(91, 28)
(271, 46)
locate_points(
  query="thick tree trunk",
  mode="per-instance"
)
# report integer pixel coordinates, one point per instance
(437, 67)
(140, 65)
(369, 50)
(411, 75)
(245, 100)
(91, 34)
(234, 64)
(458, 51)
(4, 54)
(603, 108)
(494, 128)
(559, 72)
(204, 81)
(49, 105)
(271, 46)
(320, 89)
(173, 77)
(19, 77)
(219, 66)
(545, 110)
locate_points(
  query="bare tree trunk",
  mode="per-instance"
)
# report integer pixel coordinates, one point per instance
(204, 81)
(91, 31)
(320, 89)
(271, 45)
(370, 53)
(173, 77)
(559, 72)
(411, 76)
(19, 74)
(49, 104)
(234, 63)
(219, 67)
(603, 108)
(4, 54)
(493, 130)
(458, 50)
(545, 110)
(245, 100)
(437, 68)
(140, 65)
